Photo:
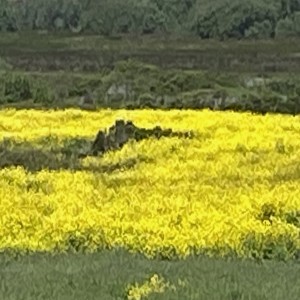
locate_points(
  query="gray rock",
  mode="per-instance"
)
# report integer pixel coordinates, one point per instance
(118, 92)
(254, 82)
(86, 99)
(123, 131)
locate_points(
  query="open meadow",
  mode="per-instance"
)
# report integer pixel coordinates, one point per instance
(149, 150)
(231, 191)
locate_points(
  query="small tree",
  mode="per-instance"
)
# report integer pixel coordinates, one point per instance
(260, 30)
(285, 28)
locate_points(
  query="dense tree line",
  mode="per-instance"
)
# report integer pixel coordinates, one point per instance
(220, 19)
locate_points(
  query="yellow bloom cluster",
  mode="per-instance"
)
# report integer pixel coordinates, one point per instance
(185, 196)
(155, 285)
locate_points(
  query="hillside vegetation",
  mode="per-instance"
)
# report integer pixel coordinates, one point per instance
(204, 18)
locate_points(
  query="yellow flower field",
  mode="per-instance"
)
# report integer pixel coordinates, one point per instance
(238, 178)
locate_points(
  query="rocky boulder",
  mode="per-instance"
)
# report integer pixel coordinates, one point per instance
(116, 136)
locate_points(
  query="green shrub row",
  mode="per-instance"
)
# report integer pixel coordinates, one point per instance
(136, 85)
(16, 87)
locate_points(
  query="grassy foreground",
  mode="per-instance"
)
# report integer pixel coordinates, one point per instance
(112, 274)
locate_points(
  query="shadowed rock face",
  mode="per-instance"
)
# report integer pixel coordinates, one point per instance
(123, 131)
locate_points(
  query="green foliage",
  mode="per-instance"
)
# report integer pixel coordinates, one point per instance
(293, 218)
(264, 246)
(296, 19)
(207, 19)
(42, 94)
(285, 28)
(133, 84)
(16, 88)
(233, 19)
(4, 66)
(260, 30)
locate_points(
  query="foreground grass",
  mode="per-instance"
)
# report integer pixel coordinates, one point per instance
(108, 275)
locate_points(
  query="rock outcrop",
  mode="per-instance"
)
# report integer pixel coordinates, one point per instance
(122, 131)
